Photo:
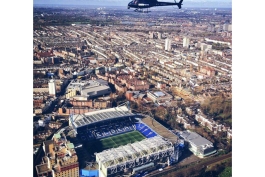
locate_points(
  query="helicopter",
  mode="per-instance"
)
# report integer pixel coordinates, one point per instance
(139, 5)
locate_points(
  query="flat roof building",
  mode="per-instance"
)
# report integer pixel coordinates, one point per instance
(159, 96)
(52, 87)
(200, 146)
(89, 89)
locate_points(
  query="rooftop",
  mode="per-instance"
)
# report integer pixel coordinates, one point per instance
(91, 84)
(195, 138)
(159, 94)
(132, 151)
(42, 168)
(101, 115)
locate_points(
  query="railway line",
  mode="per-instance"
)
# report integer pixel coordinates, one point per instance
(179, 169)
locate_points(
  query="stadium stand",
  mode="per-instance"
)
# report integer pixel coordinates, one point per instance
(144, 130)
(102, 131)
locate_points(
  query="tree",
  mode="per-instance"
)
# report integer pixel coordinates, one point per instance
(227, 172)
(134, 105)
(161, 113)
(218, 106)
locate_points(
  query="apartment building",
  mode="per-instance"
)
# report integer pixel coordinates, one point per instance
(60, 159)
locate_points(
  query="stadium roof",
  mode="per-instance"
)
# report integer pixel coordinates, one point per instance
(80, 120)
(112, 157)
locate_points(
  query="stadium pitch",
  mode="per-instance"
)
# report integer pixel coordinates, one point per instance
(115, 141)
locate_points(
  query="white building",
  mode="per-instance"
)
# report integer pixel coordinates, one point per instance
(159, 35)
(209, 47)
(151, 35)
(88, 89)
(168, 44)
(198, 145)
(52, 87)
(229, 27)
(186, 42)
(159, 96)
(225, 27)
(203, 46)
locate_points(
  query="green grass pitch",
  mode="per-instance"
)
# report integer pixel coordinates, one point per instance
(119, 140)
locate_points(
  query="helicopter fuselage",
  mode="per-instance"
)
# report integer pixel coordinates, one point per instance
(146, 4)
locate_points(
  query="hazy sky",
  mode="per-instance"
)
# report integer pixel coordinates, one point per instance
(187, 3)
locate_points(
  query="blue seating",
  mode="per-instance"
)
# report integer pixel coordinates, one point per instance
(146, 131)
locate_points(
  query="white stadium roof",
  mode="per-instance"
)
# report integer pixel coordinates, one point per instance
(112, 157)
(80, 120)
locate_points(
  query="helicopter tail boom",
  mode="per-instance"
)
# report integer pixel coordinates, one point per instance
(179, 4)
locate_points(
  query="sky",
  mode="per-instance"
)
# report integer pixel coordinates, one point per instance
(187, 3)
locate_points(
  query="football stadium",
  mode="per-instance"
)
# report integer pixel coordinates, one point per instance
(119, 142)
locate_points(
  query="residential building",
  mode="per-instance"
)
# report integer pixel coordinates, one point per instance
(60, 158)
(229, 27)
(186, 42)
(52, 87)
(168, 44)
(151, 35)
(159, 35)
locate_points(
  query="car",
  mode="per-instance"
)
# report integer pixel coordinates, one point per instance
(160, 169)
